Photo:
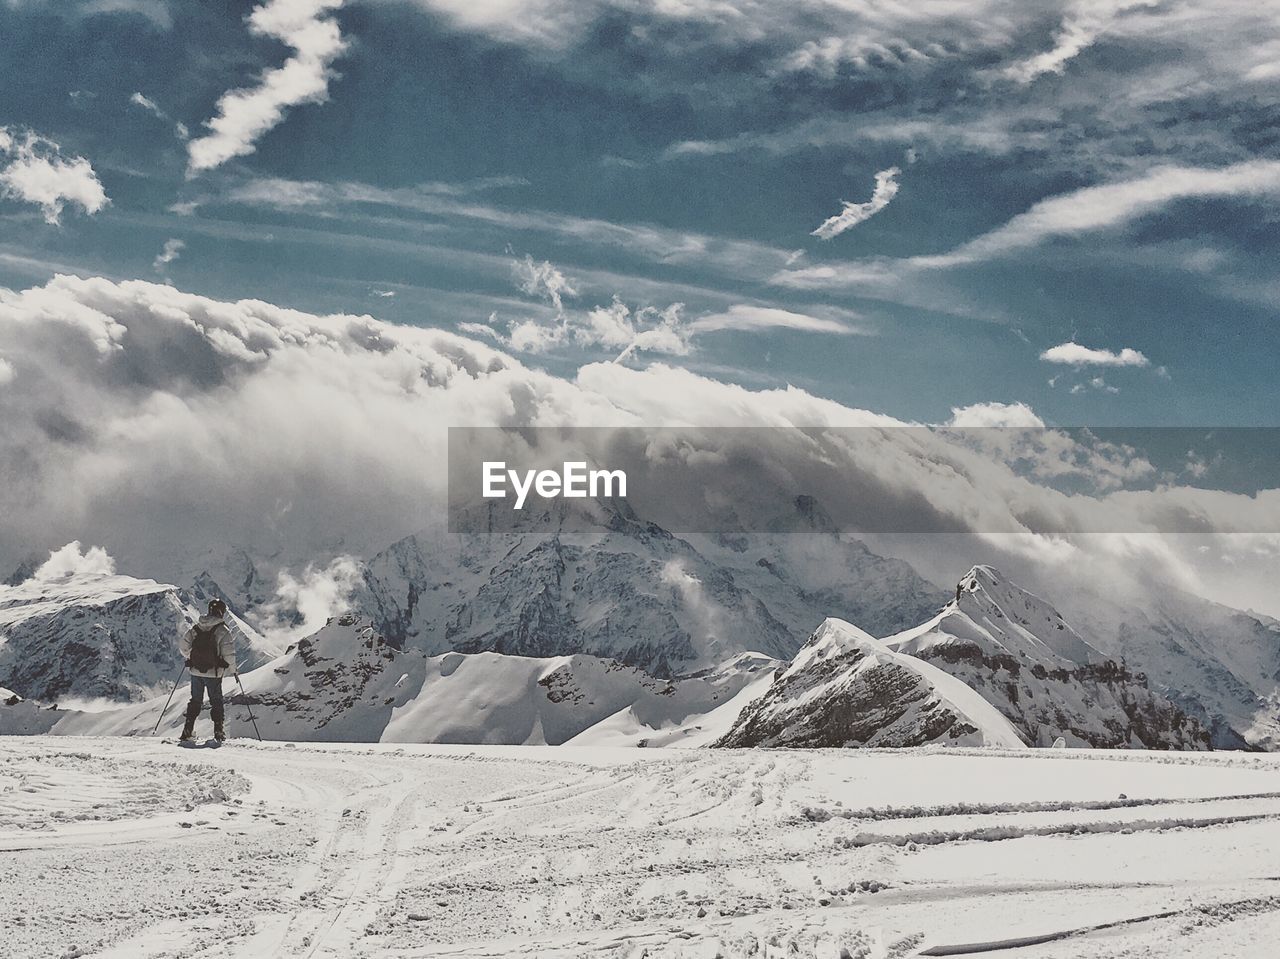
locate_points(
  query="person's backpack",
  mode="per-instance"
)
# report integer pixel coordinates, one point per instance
(204, 649)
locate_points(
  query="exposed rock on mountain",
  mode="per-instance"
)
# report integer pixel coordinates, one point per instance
(597, 580)
(1218, 664)
(99, 636)
(1023, 657)
(345, 684)
(845, 688)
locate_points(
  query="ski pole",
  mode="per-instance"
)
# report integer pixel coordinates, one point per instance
(248, 707)
(170, 699)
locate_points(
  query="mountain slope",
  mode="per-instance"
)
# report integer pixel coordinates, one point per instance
(845, 688)
(1019, 653)
(597, 580)
(1219, 664)
(99, 636)
(345, 684)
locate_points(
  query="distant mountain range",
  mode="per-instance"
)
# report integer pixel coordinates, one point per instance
(658, 633)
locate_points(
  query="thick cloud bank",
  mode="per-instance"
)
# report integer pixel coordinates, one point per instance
(160, 424)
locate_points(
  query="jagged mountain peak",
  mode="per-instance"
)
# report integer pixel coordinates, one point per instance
(834, 637)
(1020, 653)
(1000, 618)
(807, 515)
(846, 688)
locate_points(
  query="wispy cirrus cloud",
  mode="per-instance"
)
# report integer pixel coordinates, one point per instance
(143, 102)
(1110, 205)
(852, 214)
(1083, 25)
(739, 258)
(244, 115)
(34, 170)
(1087, 210)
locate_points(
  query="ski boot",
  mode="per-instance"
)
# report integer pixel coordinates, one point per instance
(219, 730)
(188, 728)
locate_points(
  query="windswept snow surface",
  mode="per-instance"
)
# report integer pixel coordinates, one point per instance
(116, 848)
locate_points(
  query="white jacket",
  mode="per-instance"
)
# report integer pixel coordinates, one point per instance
(226, 646)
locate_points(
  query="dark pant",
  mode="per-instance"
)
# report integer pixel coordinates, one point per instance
(198, 686)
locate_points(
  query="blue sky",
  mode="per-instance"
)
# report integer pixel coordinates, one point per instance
(1071, 206)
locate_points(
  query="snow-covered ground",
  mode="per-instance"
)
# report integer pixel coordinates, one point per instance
(130, 848)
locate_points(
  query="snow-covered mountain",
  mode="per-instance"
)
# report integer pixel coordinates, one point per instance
(1220, 665)
(86, 635)
(1019, 653)
(346, 684)
(846, 688)
(598, 580)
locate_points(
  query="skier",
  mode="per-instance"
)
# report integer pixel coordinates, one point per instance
(209, 650)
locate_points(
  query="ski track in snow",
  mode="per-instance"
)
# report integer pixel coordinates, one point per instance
(130, 849)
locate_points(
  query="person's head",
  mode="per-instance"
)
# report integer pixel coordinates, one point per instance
(217, 608)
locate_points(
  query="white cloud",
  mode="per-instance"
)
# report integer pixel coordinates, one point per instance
(749, 317)
(995, 133)
(1100, 383)
(854, 213)
(542, 23)
(994, 414)
(146, 103)
(1073, 354)
(612, 327)
(738, 258)
(7, 372)
(303, 604)
(1107, 206)
(71, 560)
(172, 250)
(244, 115)
(1081, 28)
(656, 331)
(153, 421)
(544, 281)
(33, 170)
(1111, 205)
(141, 100)
(157, 12)
(617, 326)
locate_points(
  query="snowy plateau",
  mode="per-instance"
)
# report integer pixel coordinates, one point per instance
(585, 736)
(133, 849)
